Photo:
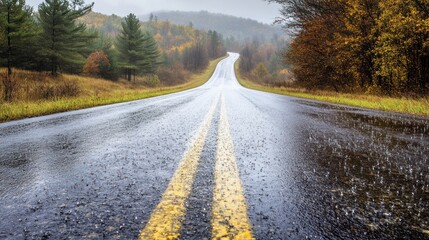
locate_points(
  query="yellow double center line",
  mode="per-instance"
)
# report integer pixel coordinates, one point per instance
(229, 219)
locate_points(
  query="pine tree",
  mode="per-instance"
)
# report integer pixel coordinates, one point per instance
(213, 44)
(152, 54)
(16, 29)
(130, 45)
(138, 51)
(64, 40)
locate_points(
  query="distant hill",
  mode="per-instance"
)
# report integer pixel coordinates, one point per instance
(111, 25)
(169, 36)
(239, 28)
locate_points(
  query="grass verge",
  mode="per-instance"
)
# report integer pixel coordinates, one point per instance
(95, 92)
(418, 107)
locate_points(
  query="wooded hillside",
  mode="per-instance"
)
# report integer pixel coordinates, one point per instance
(371, 46)
(65, 36)
(240, 29)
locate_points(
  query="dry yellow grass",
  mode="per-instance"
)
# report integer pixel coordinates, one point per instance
(401, 105)
(39, 94)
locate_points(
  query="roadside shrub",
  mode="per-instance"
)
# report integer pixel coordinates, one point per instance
(261, 71)
(172, 76)
(374, 89)
(152, 81)
(67, 89)
(9, 85)
(46, 92)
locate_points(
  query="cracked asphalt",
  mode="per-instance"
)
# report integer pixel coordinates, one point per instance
(307, 170)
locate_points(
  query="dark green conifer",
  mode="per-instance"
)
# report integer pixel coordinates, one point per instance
(64, 40)
(138, 51)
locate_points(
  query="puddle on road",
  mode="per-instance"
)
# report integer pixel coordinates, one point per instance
(373, 169)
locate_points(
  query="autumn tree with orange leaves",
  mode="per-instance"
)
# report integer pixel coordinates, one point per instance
(372, 46)
(97, 65)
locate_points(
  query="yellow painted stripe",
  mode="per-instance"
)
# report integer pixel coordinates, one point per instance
(165, 221)
(229, 220)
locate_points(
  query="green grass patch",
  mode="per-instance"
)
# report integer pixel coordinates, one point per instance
(400, 105)
(96, 92)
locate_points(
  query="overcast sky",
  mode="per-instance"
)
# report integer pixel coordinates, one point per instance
(254, 9)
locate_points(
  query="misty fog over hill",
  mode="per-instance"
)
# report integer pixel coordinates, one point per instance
(228, 26)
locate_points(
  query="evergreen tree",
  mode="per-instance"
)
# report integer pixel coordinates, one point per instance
(64, 40)
(214, 44)
(152, 54)
(16, 28)
(138, 51)
(130, 45)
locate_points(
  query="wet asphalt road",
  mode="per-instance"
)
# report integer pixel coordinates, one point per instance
(308, 169)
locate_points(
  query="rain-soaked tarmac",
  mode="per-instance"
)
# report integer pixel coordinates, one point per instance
(308, 169)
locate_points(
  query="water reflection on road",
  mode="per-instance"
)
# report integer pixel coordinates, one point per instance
(371, 169)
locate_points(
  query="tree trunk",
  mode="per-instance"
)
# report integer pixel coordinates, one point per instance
(8, 86)
(54, 58)
(7, 80)
(9, 44)
(54, 66)
(128, 72)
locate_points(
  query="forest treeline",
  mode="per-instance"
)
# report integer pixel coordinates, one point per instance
(262, 62)
(266, 50)
(231, 27)
(372, 46)
(54, 38)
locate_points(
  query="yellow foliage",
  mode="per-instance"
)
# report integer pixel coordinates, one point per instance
(284, 72)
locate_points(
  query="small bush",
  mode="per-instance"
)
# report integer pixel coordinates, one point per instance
(152, 81)
(46, 92)
(98, 65)
(9, 85)
(172, 76)
(260, 71)
(374, 89)
(67, 89)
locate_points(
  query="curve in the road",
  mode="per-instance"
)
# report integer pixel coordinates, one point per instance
(217, 161)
